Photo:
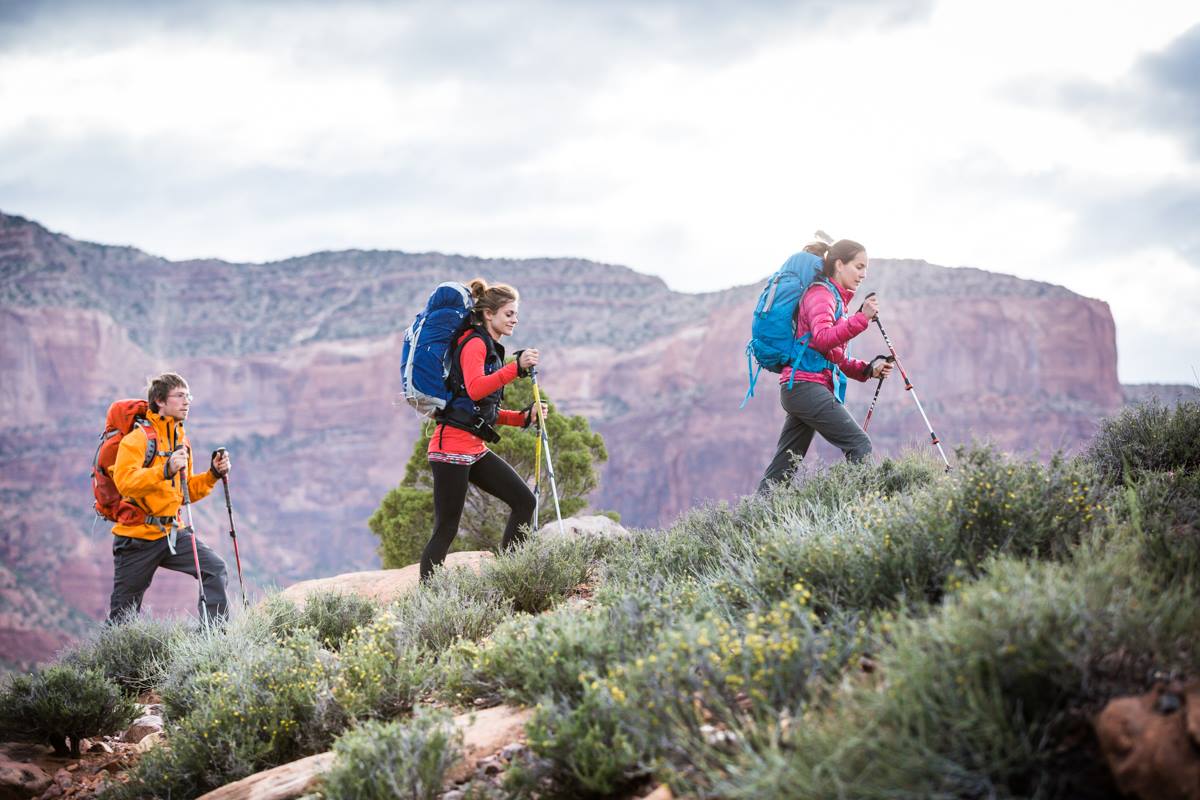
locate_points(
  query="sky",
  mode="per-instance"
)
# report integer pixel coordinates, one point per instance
(698, 141)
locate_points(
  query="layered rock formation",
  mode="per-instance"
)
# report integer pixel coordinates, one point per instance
(294, 367)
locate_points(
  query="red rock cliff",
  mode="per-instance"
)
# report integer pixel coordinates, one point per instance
(294, 366)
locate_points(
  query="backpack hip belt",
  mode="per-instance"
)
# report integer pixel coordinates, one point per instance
(456, 418)
(169, 526)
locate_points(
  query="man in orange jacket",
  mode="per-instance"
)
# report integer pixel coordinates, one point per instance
(148, 534)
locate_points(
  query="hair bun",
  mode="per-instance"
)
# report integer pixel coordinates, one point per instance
(478, 287)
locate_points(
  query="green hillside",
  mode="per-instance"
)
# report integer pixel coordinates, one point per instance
(887, 631)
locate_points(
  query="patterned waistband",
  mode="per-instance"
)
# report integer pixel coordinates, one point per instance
(462, 459)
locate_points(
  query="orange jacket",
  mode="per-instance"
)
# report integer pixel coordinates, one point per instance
(149, 488)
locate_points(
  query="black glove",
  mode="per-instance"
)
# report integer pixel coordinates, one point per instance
(864, 305)
(521, 371)
(212, 464)
(528, 412)
(871, 364)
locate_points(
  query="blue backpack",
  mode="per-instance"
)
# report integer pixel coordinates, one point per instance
(429, 345)
(773, 343)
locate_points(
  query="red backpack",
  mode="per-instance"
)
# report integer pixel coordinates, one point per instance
(123, 417)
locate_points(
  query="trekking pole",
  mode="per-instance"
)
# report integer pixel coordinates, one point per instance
(232, 532)
(909, 388)
(191, 529)
(537, 403)
(537, 468)
(875, 399)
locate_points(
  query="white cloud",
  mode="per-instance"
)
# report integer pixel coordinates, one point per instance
(688, 141)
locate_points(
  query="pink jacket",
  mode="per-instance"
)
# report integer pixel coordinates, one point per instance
(828, 337)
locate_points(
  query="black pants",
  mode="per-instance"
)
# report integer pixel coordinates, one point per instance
(812, 408)
(493, 475)
(134, 563)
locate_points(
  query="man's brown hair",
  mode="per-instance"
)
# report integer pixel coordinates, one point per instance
(158, 388)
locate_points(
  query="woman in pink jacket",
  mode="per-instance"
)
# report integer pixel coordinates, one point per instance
(813, 396)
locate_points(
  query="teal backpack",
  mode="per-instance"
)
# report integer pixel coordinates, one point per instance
(773, 343)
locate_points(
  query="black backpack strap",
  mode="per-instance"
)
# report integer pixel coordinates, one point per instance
(454, 418)
(454, 375)
(151, 441)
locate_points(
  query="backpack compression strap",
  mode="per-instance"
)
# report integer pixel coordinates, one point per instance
(752, 372)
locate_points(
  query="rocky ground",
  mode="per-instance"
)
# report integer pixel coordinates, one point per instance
(34, 771)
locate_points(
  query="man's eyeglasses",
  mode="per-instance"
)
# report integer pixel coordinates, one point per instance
(185, 395)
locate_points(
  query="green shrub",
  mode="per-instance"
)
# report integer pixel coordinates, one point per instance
(976, 700)
(1147, 437)
(584, 750)
(381, 761)
(380, 673)
(707, 540)
(529, 656)
(616, 699)
(265, 706)
(539, 572)
(698, 543)
(1162, 511)
(61, 705)
(454, 604)
(880, 551)
(129, 652)
(767, 661)
(277, 615)
(333, 617)
(845, 483)
(211, 649)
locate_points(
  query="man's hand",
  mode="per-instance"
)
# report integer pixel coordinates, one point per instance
(881, 366)
(220, 463)
(177, 461)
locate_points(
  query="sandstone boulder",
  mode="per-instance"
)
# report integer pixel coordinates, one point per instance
(150, 741)
(1152, 742)
(484, 733)
(380, 585)
(594, 525)
(142, 727)
(19, 780)
(281, 783)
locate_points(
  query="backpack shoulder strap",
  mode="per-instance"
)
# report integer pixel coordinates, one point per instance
(455, 380)
(151, 439)
(838, 304)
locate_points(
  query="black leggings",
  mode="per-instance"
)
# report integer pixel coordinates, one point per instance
(493, 475)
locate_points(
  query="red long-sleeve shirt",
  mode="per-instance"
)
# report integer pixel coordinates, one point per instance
(464, 446)
(829, 338)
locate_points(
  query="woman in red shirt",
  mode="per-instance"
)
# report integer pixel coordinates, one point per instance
(808, 395)
(458, 454)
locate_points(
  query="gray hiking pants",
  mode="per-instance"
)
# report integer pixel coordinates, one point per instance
(134, 563)
(812, 408)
